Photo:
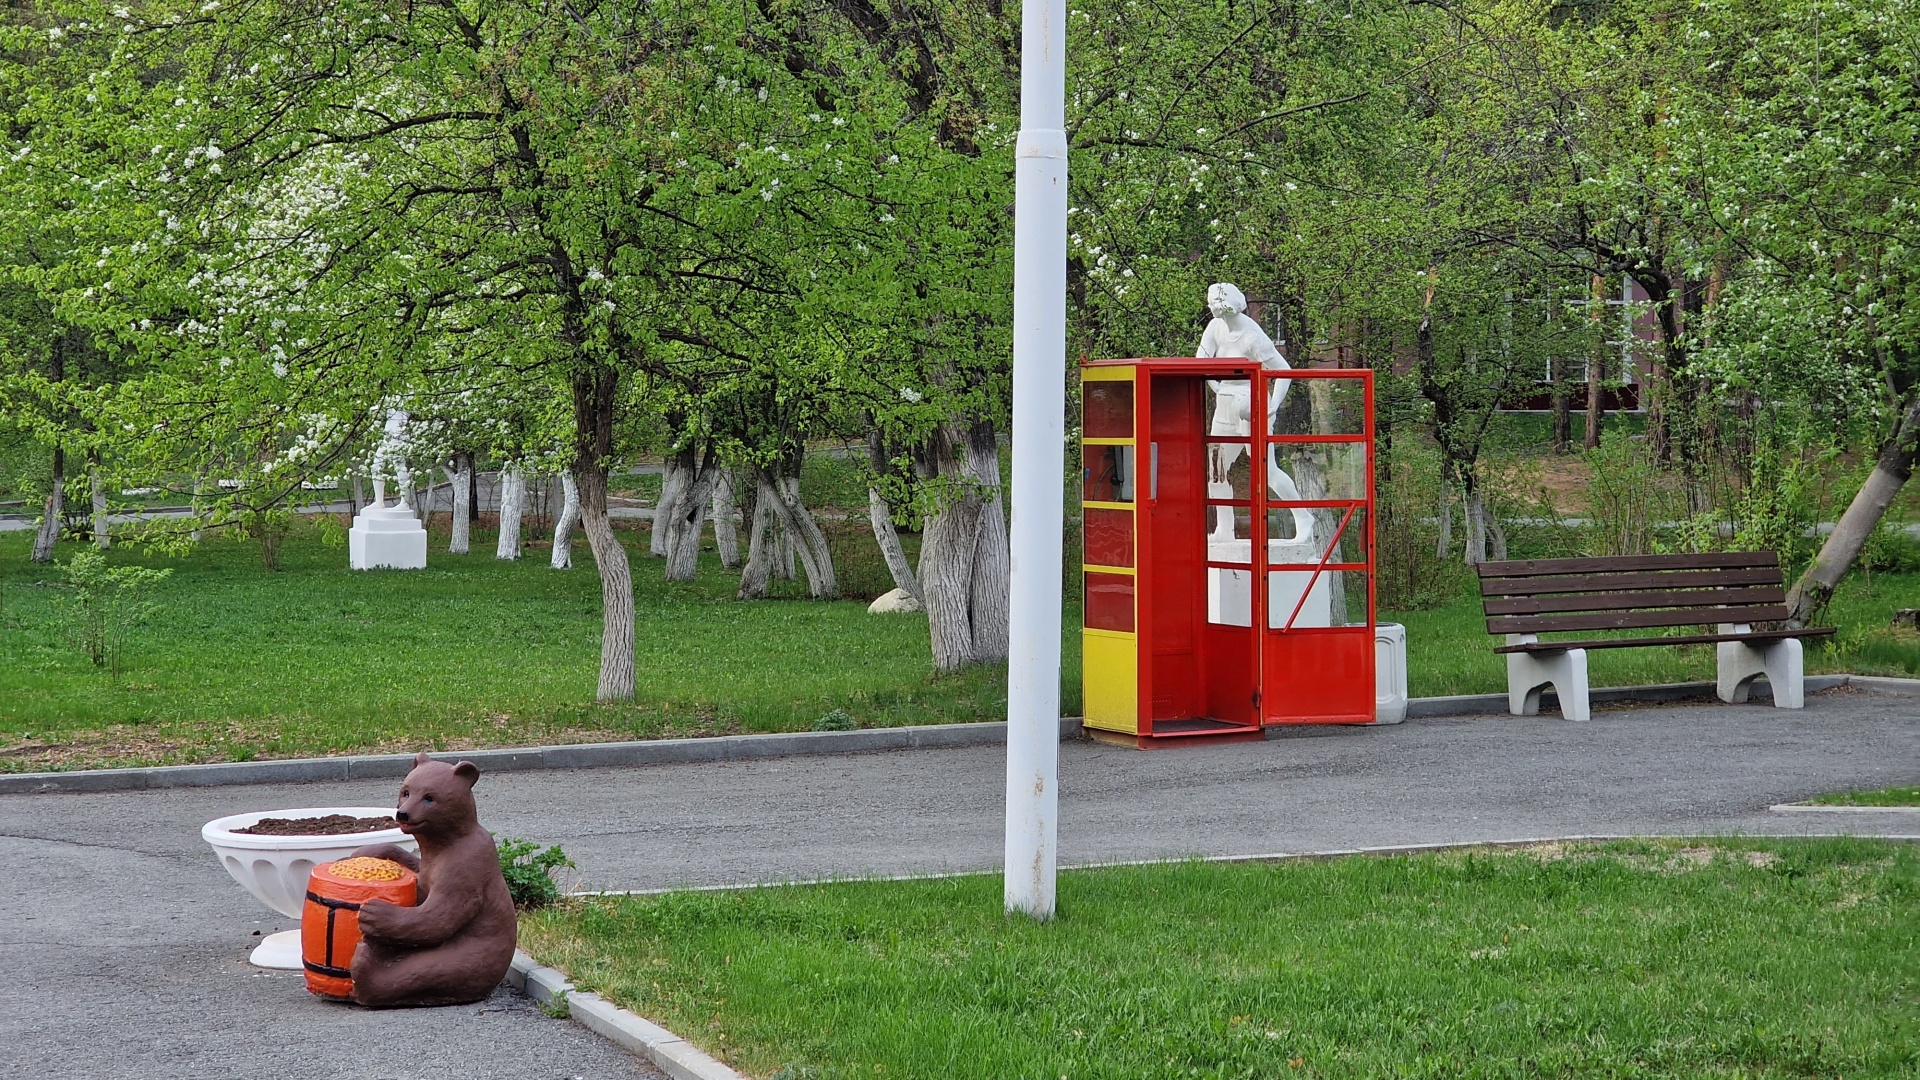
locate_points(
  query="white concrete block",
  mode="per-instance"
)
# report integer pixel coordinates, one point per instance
(1389, 673)
(1528, 674)
(1782, 663)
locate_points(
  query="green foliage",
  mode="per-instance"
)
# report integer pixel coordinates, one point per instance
(835, 720)
(1630, 496)
(102, 604)
(529, 869)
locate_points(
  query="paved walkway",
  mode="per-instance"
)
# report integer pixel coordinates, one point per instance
(125, 952)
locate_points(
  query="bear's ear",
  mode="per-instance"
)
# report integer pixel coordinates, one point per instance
(467, 771)
(421, 758)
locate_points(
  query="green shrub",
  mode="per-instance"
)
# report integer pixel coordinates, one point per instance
(837, 720)
(102, 603)
(529, 871)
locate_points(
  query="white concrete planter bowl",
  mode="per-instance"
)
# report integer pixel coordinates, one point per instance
(275, 868)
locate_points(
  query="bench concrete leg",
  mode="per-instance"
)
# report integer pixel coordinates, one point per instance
(1528, 674)
(1782, 662)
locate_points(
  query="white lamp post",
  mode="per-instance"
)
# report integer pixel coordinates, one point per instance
(1039, 437)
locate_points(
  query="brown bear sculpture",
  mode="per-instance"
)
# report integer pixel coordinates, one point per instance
(456, 944)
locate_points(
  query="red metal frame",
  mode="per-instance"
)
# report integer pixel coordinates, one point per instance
(1294, 674)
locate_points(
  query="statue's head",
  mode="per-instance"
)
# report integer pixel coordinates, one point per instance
(1225, 300)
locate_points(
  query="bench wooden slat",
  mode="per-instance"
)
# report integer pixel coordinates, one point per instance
(1637, 620)
(1692, 639)
(1611, 583)
(1543, 605)
(1609, 564)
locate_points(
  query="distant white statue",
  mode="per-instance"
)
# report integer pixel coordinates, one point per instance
(382, 536)
(1233, 333)
(392, 451)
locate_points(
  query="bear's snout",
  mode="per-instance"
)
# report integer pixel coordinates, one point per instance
(400, 816)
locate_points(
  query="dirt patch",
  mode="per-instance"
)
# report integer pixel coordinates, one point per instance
(325, 825)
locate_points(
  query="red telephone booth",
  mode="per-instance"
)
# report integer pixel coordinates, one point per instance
(1203, 477)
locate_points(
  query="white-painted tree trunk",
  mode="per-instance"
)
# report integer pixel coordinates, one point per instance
(760, 543)
(888, 537)
(672, 480)
(987, 604)
(102, 538)
(725, 539)
(563, 526)
(808, 542)
(784, 542)
(513, 499)
(683, 520)
(53, 512)
(459, 474)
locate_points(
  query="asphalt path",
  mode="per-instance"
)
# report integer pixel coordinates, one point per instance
(126, 950)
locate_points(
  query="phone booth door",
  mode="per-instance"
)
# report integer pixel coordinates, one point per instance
(1315, 503)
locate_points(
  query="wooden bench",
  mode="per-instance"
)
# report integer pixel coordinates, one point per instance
(1729, 591)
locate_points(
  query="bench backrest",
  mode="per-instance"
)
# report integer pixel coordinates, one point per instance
(1632, 592)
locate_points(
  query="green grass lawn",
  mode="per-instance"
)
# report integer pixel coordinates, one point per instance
(1634, 959)
(1893, 796)
(317, 659)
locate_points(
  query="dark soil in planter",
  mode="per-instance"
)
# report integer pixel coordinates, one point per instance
(329, 825)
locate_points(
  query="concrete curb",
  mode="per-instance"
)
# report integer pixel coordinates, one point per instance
(753, 747)
(576, 756)
(631, 1032)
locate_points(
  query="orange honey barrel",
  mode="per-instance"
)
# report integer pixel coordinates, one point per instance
(330, 922)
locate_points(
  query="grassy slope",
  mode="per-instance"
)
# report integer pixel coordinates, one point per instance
(1637, 959)
(472, 651)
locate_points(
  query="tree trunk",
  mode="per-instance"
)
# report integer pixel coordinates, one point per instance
(1476, 520)
(595, 396)
(1562, 405)
(102, 538)
(54, 512)
(1810, 593)
(1443, 542)
(949, 546)
(888, 538)
(783, 538)
(682, 520)
(460, 485)
(672, 480)
(725, 540)
(563, 526)
(806, 539)
(358, 497)
(992, 559)
(760, 543)
(513, 497)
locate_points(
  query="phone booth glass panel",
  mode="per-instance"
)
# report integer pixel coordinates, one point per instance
(1200, 478)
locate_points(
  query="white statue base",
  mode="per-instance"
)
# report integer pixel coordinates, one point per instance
(1230, 592)
(387, 538)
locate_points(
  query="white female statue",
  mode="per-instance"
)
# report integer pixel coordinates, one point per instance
(1232, 333)
(392, 451)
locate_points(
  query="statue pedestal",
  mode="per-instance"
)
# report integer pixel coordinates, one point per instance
(386, 538)
(1230, 592)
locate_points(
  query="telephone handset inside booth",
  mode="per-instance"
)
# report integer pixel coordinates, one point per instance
(1253, 476)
